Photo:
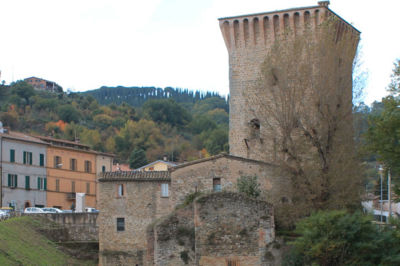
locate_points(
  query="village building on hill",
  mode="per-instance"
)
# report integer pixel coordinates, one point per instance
(43, 85)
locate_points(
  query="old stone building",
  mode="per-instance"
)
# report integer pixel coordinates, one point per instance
(131, 201)
(146, 218)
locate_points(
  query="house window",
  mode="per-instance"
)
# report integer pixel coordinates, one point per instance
(88, 166)
(216, 184)
(87, 188)
(72, 164)
(12, 156)
(12, 181)
(57, 162)
(103, 168)
(73, 186)
(164, 190)
(27, 157)
(120, 224)
(120, 190)
(41, 159)
(57, 185)
(42, 183)
(27, 182)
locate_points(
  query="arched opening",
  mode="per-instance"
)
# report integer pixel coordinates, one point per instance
(236, 32)
(276, 25)
(286, 22)
(246, 31)
(266, 27)
(256, 30)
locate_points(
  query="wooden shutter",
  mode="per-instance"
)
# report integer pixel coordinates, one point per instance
(41, 159)
(27, 182)
(38, 182)
(30, 158)
(12, 156)
(9, 180)
(24, 159)
(45, 183)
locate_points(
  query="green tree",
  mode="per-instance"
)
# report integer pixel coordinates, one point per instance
(383, 135)
(341, 238)
(68, 113)
(137, 158)
(23, 90)
(216, 141)
(167, 111)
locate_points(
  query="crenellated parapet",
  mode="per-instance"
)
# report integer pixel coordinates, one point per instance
(262, 29)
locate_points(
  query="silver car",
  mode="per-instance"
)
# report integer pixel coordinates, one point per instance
(51, 210)
(33, 210)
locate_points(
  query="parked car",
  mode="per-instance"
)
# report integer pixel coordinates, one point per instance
(90, 209)
(51, 210)
(33, 210)
(7, 210)
(3, 214)
(67, 211)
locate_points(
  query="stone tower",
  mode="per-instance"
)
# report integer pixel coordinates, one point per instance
(248, 39)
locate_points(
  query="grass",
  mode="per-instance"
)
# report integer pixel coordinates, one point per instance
(22, 244)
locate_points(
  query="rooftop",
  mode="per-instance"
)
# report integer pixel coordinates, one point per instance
(135, 176)
(22, 137)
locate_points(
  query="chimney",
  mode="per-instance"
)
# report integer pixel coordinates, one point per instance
(323, 3)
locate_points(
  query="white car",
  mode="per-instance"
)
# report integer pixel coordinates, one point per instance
(3, 214)
(33, 210)
(90, 209)
(51, 210)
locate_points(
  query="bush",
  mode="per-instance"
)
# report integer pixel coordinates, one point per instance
(249, 186)
(341, 238)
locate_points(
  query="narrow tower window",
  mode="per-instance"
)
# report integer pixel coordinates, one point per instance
(255, 128)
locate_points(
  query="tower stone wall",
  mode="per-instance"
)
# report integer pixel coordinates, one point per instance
(249, 39)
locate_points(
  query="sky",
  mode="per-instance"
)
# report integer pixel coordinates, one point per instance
(85, 44)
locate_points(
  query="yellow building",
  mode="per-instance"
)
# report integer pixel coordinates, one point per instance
(71, 169)
(159, 165)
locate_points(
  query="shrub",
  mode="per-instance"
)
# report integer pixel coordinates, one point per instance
(249, 186)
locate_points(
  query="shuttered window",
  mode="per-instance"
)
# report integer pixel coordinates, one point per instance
(12, 181)
(27, 182)
(41, 159)
(12, 156)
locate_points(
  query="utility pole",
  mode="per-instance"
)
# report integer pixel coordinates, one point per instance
(380, 171)
(389, 196)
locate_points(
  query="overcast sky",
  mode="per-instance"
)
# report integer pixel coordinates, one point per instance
(85, 44)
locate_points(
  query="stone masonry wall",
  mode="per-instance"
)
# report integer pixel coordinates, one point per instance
(199, 177)
(217, 229)
(77, 227)
(140, 206)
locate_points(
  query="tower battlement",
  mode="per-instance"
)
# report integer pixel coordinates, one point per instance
(261, 29)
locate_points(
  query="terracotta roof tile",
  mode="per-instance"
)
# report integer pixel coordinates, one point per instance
(135, 176)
